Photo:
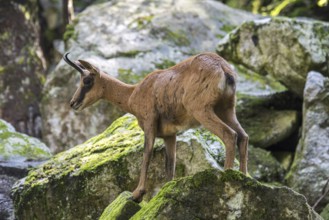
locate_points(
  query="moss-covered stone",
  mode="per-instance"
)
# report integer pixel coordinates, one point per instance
(259, 46)
(122, 208)
(15, 146)
(103, 167)
(213, 194)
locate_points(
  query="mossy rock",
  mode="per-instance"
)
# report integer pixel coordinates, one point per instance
(325, 212)
(81, 182)
(122, 208)
(258, 45)
(18, 147)
(214, 194)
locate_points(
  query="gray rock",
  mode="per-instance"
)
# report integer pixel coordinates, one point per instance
(22, 66)
(285, 48)
(6, 204)
(17, 151)
(104, 166)
(18, 147)
(128, 41)
(263, 166)
(310, 168)
(213, 194)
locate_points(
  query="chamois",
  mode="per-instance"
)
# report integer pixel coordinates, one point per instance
(198, 91)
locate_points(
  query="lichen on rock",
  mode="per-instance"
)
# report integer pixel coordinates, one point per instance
(214, 194)
(285, 48)
(18, 147)
(104, 166)
(309, 171)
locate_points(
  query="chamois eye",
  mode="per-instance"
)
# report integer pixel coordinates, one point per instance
(87, 81)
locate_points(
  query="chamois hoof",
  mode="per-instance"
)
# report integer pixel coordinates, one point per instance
(138, 195)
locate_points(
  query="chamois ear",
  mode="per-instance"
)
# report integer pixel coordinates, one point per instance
(90, 67)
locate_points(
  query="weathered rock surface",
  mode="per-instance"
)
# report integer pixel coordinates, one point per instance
(22, 66)
(263, 166)
(18, 147)
(214, 194)
(93, 174)
(128, 41)
(267, 127)
(310, 168)
(18, 153)
(285, 48)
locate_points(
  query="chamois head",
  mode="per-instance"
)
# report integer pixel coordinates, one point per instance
(90, 89)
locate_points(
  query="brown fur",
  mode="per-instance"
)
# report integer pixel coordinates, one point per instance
(198, 91)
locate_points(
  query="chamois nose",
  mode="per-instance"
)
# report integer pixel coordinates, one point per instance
(71, 103)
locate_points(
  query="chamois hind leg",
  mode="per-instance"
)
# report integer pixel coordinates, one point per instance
(229, 117)
(213, 123)
(170, 144)
(149, 137)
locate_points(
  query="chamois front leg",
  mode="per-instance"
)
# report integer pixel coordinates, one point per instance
(149, 137)
(170, 144)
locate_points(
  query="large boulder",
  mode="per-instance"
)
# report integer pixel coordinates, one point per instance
(128, 41)
(22, 66)
(214, 194)
(285, 48)
(81, 182)
(310, 168)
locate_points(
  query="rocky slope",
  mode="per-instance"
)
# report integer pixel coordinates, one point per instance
(92, 174)
(213, 194)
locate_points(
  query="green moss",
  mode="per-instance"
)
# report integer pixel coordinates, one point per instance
(130, 53)
(14, 144)
(205, 178)
(108, 147)
(69, 32)
(141, 22)
(325, 212)
(128, 76)
(165, 64)
(227, 28)
(121, 208)
(178, 37)
(150, 211)
(231, 175)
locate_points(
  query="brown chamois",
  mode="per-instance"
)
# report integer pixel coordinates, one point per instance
(198, 91)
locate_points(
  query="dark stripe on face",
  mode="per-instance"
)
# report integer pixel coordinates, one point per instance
(88, 83)
(229, 79)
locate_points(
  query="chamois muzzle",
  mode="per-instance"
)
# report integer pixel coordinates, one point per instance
(68, 61)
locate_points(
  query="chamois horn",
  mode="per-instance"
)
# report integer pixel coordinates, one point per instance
(75, 66)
